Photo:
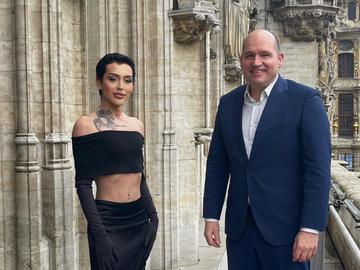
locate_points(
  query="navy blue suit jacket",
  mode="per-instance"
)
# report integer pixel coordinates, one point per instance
(286, 177)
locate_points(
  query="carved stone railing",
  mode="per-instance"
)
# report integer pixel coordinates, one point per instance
(348, 182)
(307, 21)
(344, 215)
(192, 19)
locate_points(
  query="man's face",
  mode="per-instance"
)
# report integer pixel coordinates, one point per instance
(260, 60)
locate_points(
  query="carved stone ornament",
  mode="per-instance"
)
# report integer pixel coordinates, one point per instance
(356, 59)
(233, 71)
(188, 31)
(203, 135)
(305, 22)
(193, 19)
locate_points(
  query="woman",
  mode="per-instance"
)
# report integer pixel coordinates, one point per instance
(107, 146)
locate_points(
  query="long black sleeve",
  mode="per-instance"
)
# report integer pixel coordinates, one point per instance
(147, 199)
(154, 220)
(86, 197)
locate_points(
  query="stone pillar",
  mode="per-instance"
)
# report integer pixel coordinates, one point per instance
(28, 202)
(58, 188)
(58, 179)
(7, 134)
(28, 191)
(170, 227)
(138, 51)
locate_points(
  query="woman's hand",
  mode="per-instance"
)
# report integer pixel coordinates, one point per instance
(106, 254)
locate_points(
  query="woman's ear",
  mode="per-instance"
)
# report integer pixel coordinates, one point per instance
(99, 84)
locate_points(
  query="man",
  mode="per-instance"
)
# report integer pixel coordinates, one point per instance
(271, 142)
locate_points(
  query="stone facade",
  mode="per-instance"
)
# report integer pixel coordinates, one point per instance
(48, 54)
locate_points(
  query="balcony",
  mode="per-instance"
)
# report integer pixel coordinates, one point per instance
(304, 20)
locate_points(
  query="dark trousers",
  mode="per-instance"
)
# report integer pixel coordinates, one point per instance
(253, 252)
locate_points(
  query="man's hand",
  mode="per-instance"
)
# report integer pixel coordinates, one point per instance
(211, 233)
(305, 246)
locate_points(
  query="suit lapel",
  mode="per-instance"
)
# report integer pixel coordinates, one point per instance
(275, 101)
(237, 108)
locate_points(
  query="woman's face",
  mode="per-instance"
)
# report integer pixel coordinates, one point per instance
(117, 84)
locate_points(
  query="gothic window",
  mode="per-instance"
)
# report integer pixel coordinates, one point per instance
(346, 65)
(352, 11)
(346, 115)
(346, 59)
(348, 157)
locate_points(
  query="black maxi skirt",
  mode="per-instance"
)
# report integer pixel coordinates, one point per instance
(129, 227)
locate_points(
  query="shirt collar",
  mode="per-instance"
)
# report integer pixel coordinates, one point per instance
(265, 93)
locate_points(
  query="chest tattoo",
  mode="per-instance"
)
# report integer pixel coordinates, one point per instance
(105, 120)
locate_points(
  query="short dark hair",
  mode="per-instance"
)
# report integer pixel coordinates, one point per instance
(113, 58)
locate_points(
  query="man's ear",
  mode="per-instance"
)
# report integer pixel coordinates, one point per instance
(281, 58)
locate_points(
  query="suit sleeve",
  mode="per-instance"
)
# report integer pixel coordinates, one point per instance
(217, 172)
(316, 145)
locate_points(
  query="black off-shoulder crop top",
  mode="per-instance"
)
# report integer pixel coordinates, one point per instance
(108, 152)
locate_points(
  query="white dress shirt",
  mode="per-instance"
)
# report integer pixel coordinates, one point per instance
(251, 114)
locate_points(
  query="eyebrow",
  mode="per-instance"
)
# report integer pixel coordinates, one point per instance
(114, 74)
(251, 52)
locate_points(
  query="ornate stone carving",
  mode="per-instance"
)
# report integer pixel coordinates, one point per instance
(188, 31)
(203, 135)
(193, 19)
(356, 58)
(342, 19)
(334, 53)
(233, 71)
(356, 125)
(335, 126)
(326, 75)
(305, 22)
(238, 16)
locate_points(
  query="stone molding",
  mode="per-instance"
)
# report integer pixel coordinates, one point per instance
(56, 157)
(305, 22)
(208, 4)
(26, 153)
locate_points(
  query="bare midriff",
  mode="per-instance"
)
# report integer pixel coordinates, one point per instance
(118, 187)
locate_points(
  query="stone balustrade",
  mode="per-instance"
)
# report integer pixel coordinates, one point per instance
(348, 182)
(344, 215)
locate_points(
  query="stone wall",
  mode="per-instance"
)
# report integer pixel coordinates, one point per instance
(7, 131)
